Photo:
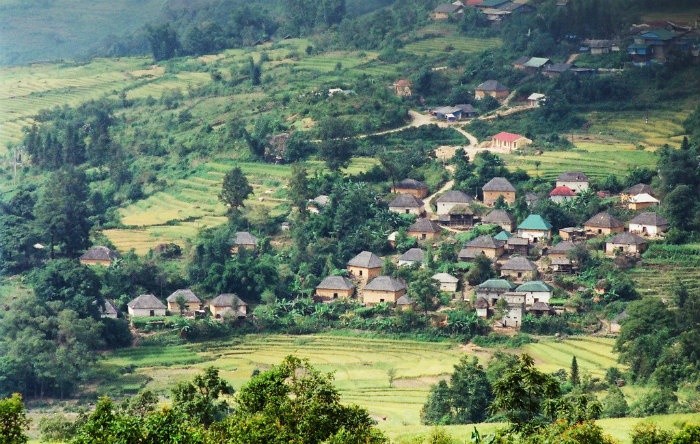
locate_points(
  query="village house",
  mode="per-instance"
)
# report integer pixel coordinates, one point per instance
(415, 188)
(648, 224)
(108, 310)
(534, 100)
(447, 10)
(561, 194)
(492, 289)
(228, 303)
(491, 88)
(501, 218)
(625, 243)
(653, 44)
(561, 265)
(598, 47)
(486, 245)
(642, 201)
(407, 204)
(535, 291)
(412, 256)
(561, 250)
(448, 113)
(635, 190)
(503, 235)
(484, 4)
(145, 305)
(190, 301)
(405, 303)
(535, 64)
(460, 215)
(446, 281)
(535, 228)
(383, 289)
(603, 224)
(497, 187)
(574, 180)
(424, 229)
(513, 317)
(365, 266)
(451, 198)
(556, 69)
(518, 245)
(402, 88)
(572, 233)
(243, 240)
(540, 308)
(334, 287)
(467, 110)
(509, 141)
(99, 255)
(519, 269)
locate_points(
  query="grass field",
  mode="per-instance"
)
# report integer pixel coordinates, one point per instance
(439, 44)
(649, 129)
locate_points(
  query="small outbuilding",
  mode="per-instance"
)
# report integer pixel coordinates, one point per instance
(642, 201)
(424, 229)
(407, 204)
(519, 269)
(413, 256)
(509, 141)
(243, 240)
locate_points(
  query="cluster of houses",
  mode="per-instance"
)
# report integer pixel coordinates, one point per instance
(521, 253)
(183, 301)
(495, 11)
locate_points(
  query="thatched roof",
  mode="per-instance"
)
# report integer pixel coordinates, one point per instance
(146, 302)
(186, 293)
(649, 218)
(627, 239)
(244, 238)
(412, 255)
(336, 283)
(405, 201)
(227, 300)
(454, 196)
(99, 253)
(603, 220)
(498, 217)
(386, 283)
(499, 184)
(424, 225)
(519, 263)
(572, 176)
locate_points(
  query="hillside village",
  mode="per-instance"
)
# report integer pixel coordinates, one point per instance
(331, 177)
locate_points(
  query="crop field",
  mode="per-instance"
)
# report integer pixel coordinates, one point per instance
(649, 129)
(189, 204)
(663, 266)
(596, 159)
(434, 45)
(359, 363)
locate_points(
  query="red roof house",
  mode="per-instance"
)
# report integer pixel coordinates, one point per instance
(509, 141)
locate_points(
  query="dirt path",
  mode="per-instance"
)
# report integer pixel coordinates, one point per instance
(448, 186)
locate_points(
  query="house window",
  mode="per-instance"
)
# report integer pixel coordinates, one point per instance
(407, 211)
(520, 274)
(360, 272)
(381, 300)
(423, 236)
(600, 231)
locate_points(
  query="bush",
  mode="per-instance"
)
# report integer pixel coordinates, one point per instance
(56, 428)
(649, 433)
(656, 402)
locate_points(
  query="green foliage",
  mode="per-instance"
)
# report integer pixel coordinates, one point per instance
(294, 403)
(480, 270)
(464, 400)
(13, 420)
(614, 404)
(198, 399)
(521, 393)
(235, 189)
(574, 376)
(655, 402)
(424, 290)
(649, 433)
(57, 428)
(336, 147)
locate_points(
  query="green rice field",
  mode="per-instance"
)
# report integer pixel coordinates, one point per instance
(434, 45)
(664, 266)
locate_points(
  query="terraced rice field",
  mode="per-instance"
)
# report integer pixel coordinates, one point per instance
(359, 364)
(596, 159)
(434, 45)
(649, 129)
(661, 269)
(189, 204)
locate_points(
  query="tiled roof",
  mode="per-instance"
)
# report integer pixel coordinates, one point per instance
(507, 137)
(366, 259)
(562, 191)
(491, 85)
(499, 217)
(244, 238)
(424, 225)
(412, 255)
(562, 247)
(533, 286)
(412, 184)
(497, 284)
(445, 277)
(519, 263)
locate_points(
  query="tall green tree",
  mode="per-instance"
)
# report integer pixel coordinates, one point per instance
(199, 399)
(521, 393)
(337, 144)
(234, 190)
(574, 376)
(299, 192)
(424, 290)
(62, 214)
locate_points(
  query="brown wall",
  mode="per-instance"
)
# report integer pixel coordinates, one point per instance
(106, 263)
(364, 274)
(602, 231)
(422, 236)
(490, 197)
(373, 297)
(524, 275)
(419, 193)
(191, 306)
(488, 252)
(329, 295)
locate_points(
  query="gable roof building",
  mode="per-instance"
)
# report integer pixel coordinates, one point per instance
(642, 201)
(648, 224)
(365, 266)
(561, 194)
(411, 256)
(423, 229)
(492, 88)
(99, 255)
(146, 305)
(407, 204)
(509, 141)
(496, 187)
(603, 223)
